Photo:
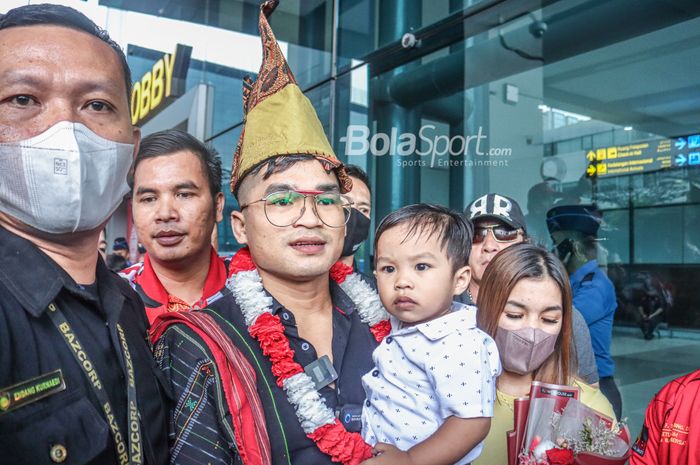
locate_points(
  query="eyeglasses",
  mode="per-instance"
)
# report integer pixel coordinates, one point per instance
(500, 233)
(285, 208)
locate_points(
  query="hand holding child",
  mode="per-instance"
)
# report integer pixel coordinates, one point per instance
(386, 454)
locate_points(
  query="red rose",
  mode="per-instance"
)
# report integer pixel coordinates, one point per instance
(242, 261)
(380, 330)
(560, 456)
(269, 332)
(340, 271)
(268, 329)
(343, 446)
(285, 369)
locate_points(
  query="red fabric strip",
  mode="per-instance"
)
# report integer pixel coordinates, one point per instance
(246, 409)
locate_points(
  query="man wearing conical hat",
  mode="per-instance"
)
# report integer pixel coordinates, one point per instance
(271, 372)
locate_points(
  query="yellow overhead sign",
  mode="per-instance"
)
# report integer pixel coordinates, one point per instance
(643, 156)
(159, 86)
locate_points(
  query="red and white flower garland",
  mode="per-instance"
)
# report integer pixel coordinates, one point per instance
(316, 419)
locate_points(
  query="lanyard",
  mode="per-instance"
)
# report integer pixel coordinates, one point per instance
(133, 455)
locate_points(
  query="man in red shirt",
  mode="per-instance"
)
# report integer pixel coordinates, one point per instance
(671, 431)
(176, 203)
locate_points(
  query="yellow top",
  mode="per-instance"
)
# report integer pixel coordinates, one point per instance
(495, 451)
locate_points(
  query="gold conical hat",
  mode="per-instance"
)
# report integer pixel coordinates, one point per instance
(278, 118)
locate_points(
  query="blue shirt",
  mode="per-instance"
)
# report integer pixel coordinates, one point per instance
(594, 297)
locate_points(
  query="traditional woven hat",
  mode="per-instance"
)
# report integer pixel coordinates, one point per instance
(278, 118)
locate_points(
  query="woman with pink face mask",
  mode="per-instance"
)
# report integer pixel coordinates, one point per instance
(525, 305)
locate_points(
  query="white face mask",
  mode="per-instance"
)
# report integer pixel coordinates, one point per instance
(64, 180)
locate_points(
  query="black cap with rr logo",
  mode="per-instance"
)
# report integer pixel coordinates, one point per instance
(498, 207)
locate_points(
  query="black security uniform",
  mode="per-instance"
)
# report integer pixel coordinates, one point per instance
(50, 416)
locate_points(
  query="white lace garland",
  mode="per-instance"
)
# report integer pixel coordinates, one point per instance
(366, 299)
(310, 407)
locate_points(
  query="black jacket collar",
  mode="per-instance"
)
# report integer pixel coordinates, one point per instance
(35, 280)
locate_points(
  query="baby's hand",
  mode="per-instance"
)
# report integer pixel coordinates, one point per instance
(386, 454)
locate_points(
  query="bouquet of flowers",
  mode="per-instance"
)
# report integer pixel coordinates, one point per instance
(560, 430)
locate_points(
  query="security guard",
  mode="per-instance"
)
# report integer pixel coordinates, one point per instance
(77, 379)
(574, 231)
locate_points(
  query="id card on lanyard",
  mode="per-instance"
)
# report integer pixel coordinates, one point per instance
(131, 455)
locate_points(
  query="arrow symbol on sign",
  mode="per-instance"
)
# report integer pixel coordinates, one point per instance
(680, 159)
(590, 171)
(591, 155)
(680, 143)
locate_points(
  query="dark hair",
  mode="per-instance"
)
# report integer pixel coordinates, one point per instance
(59, 15)
(276, 165)
(588, 243)
(120, 244)
(508, 268)
(170, 141)
(115, 262)
(453, 229)
(357, 172)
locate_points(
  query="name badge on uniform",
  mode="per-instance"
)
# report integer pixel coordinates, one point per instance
(31, 390)
(321, 372)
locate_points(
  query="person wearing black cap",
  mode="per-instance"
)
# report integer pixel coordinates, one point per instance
(121, 247)
(574, 230)
(499, 223)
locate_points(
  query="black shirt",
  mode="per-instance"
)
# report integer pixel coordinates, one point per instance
(30, 345)
(200, 435)
(464, 298)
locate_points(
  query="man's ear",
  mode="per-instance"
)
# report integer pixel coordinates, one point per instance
(461, 280)
(137, 139)
(238, 227)
(219, 207)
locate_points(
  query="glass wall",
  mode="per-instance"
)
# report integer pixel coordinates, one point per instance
(519, 108)
(445, 101)
(569, 101)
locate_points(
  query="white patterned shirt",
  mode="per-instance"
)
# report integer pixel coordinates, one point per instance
(424, 374)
